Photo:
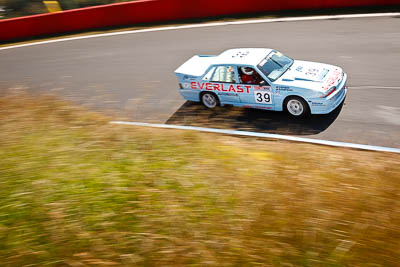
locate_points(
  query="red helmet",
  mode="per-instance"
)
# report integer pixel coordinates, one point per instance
(247, 70)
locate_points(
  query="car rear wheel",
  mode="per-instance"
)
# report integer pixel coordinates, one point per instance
(209, 100)
(296, 107)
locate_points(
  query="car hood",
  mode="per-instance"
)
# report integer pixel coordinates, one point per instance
(311, 75)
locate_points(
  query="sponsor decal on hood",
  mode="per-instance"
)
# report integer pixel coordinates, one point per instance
(306, 71)
(311, 75)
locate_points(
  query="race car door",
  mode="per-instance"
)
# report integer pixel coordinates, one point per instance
(226, 77)
(259, 94)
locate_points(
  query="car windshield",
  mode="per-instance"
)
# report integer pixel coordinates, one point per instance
(275, 65)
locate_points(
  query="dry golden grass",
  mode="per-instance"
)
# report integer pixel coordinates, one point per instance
(77, 191)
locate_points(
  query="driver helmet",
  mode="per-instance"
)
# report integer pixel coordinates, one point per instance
(247, 70)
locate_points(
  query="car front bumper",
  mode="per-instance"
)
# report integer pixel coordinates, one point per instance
(327, 105)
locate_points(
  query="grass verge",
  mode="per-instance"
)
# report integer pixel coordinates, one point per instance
(77, 191)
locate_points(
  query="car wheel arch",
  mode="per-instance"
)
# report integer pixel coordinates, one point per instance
(211, 93)
(291, 96)
(205, 92)
(294, 95)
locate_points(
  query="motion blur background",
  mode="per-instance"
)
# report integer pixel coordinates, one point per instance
(17, 8)
(76, 190)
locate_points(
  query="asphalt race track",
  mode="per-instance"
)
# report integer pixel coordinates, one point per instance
(132, 75)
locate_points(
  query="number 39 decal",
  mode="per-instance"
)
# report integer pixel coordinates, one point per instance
(262, 97)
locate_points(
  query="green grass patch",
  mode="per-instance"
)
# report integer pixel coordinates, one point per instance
(77, 191)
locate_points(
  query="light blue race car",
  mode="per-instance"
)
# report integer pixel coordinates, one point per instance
(262, 78)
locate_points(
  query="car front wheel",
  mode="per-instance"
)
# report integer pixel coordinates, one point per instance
(296, 107)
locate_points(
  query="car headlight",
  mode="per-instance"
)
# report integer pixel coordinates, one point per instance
(329, 92)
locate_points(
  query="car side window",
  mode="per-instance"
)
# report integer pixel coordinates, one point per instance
(249, 75)
(207, 77)
(224, 74)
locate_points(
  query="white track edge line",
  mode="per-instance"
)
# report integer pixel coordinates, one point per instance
(263, 135)
(374, 87)
(370, 15)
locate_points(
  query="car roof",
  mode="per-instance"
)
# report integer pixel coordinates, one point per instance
(242, 56)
